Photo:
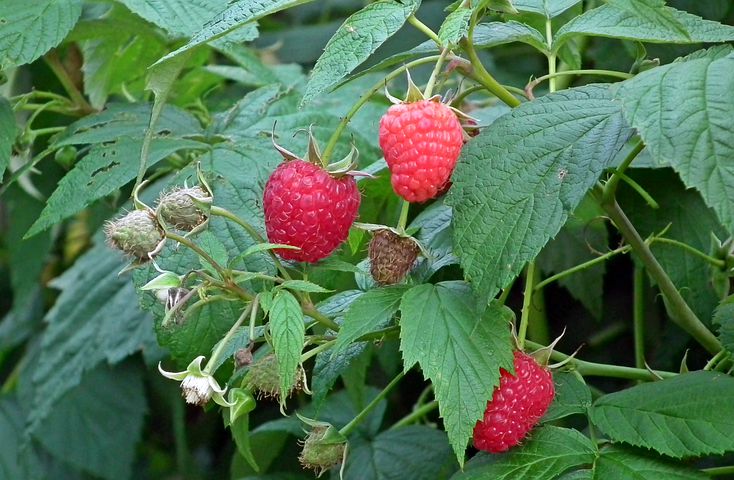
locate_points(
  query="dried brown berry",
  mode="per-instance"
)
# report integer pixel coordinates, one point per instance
(391, 256)
(137, 234)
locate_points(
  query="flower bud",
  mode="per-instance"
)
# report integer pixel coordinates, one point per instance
(137, 234)
(182, 208)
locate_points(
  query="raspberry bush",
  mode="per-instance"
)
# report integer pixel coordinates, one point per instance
(247, 239)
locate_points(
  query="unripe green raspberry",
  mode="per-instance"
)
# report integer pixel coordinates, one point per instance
(137, 234)
(176, 208)
(263, 379)
(321, 451)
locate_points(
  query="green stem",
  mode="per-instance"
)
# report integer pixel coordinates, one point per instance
(582, 266)
(254, 234)
(551, 56)
(603, 370)
(716, 262)
(715, 359)
(311, 311)
(610, 189)
(526, 304)
(434, 74)
(425, 29)
(253, 316)
(403, 219)
(638, 315)
(415, 415)
(681, 313)
(481, 75)
(538, 328)
(188, 243)
(53, 61)
(552, 76)
(334, 139)
(48, 131)
(719, 471)
(223, 343)
(638, 188)
(178, 417)
(315, 351)
(348, 428)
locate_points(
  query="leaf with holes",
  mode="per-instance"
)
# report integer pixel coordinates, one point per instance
(517, 182)
(671, 416)
(459, 349)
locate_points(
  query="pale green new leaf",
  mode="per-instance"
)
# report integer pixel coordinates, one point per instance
(685, 416)
(637, 20)
(455, 27)
(459, 349)
(7, 134)
(237, 14)
(547, 8)
(724, 318)
(106, 168)
(548, 452)
(371, 311)
(357, 38)
(615, 463)
(288, 332)
(28, 29)
(683, 113)
(516, 183)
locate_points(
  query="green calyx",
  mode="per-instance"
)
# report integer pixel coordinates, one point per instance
(345, 166)
(137, 234)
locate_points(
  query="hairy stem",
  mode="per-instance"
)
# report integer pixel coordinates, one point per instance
(582, 266)
(638, 315)
(425, 29)
(526, 304)
(415, 415)
(348, 428)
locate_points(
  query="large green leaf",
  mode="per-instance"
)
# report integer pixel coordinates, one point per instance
(685, 416)
(572, 396)
(30, 29)
(95, 319)
(7, 134)
(460, 350)
(578, 240)
(644, 21)
(413, 452)
(288, 332)
(682, 113)
(11, 432)
(371, 311)
(97, 425)
(356, 40)
(179, 17)
(455, 27)
(690, 221)
(106, 168)
(547, 8)
(517, 182)
(724, 318)
(615, 463)
(549, 452)
(236, 15)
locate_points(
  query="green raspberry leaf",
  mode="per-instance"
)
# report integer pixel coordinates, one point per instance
(672, 416)
(572, 396)
(645, 21)
(616, 462)
(547, 453)
(357, 38)
(547, 8)
(455, 27)
(30, 29)
(460, 350)
(371, 311)
(7, 134)
(517, 182)
(289, 333)
(683, 113)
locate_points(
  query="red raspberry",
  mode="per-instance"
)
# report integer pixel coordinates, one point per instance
(421, 142)
(516, 406)
(308, 208)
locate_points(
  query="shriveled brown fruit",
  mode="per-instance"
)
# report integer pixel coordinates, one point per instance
(391, 256)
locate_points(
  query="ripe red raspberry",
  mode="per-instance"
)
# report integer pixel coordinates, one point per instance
(308, 208)
(421, 142)
(516, 406)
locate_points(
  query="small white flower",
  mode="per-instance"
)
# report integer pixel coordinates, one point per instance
(197, 385)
